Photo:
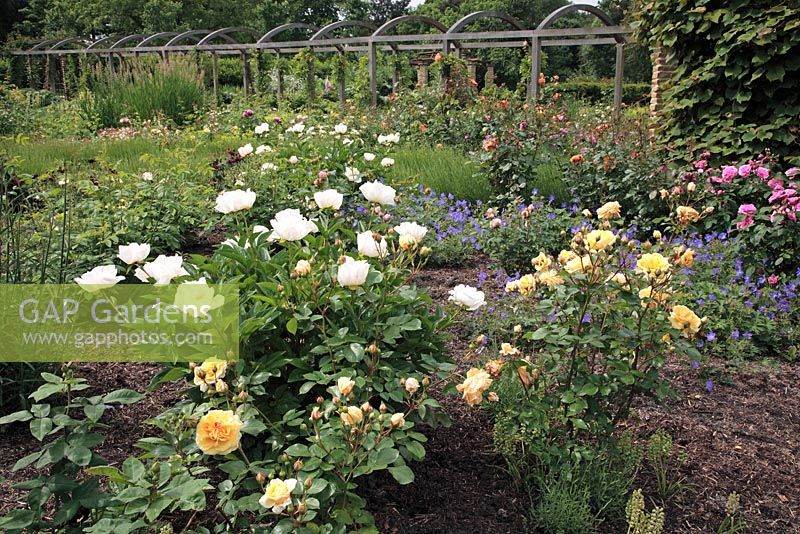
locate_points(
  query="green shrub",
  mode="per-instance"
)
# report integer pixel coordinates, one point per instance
(596, 90)
(144, 90)
(525, 233)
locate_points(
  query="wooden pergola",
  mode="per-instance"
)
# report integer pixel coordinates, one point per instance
(243, 41)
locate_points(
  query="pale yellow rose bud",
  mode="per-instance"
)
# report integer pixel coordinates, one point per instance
(425, 251)
(261, 478)
(298, 464)
(242, 396)
(517, 328)
(656, 235)
(383, 408)
(398, 420)
(373, 349)
(691, 186)
(221, 386)
(366, 407)
(316, 414)
(407, 242)
(493, 397)
(302, 268)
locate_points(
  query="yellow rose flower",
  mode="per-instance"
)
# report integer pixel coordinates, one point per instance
(474, 385)
(608, 211)
(650, 299)
(278, 494)
(652, 264)
(565, 255)
(493, 367)
(541, 262)
(617, 278)
(345, 385)
(687, 214)
(687, 258)
(507, 349)
(209, 372)
(550, 278)
(398, 420)
(352, 416)
(512, 286)
(686, 320)
(599, 239)
(527, 285)
(219, 432)
(579, 264)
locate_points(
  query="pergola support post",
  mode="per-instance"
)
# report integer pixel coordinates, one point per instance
(618, 74)
(536, 69)
(373, 73)
(245, 74)
(341, 78)
(279, 75)
(215, 75)
(489, 79)
(395, 73)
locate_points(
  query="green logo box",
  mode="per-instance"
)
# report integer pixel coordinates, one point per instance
(121, 323)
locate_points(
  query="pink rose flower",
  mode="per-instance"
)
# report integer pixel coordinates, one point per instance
(791, 173)
(744, 223)
(773, 279)
(762, 172)
(747, 209)
(745, 170)
(729, 172)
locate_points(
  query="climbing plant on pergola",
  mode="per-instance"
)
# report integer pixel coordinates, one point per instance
(242, 41)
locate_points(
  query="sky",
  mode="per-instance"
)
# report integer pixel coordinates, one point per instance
(415, 3)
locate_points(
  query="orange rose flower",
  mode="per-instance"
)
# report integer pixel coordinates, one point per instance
(219, 432)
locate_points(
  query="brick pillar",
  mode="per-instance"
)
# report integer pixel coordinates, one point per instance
(662, 73)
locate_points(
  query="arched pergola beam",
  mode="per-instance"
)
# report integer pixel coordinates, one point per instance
(156, 37)
(128, 39)
(480, 15)
(63, 42)
(269, 37)
(102, 40)
(225, 34)
(574, 8)
(326, 30)
(41, 44)
(197, 35)
(409, 18)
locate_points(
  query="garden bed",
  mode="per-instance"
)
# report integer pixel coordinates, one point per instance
(740, 437)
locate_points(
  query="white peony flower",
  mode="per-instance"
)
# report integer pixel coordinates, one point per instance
(294, 159)
(378, 193)
(147, 176)
(352, 273)
(245, 150)
(367, 246)
(162, 270)
(467, 296)
(369, 156)
(133, 252)
(340, 128)
(269, 167)
(99, 278)
(262, 128)
(330, 198)
(291, 225)
(297, 128)
(387, 162)
(347, 141)
(260, 149)
(389, 139)
(352, 174)
(237, 200)
(411, 229)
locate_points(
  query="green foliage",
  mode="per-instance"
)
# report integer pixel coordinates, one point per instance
(596, 90)
(143, 90)
(734, 90)
(65, 425)
(526, 232)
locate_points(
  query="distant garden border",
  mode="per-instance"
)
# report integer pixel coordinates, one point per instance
(241, 41)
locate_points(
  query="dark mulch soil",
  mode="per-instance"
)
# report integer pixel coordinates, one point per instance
(744, 436)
